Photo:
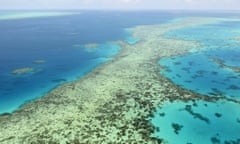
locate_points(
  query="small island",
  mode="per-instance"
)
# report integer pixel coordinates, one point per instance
(22, 70)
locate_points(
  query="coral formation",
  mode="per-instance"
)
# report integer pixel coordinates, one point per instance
(113, 103)
(177, 127)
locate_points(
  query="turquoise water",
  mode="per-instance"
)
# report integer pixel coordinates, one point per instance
(198, 71)
(198, 122)
(129, 39)
(211, 71)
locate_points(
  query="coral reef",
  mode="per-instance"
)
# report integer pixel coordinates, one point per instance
(113, 103)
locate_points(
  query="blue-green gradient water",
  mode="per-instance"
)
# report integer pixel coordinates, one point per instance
(59, 41)
(212, 71)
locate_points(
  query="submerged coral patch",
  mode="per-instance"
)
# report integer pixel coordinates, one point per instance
(39, 61)
(93, 45)
(177, 127)
(22, 70)
(204, 76)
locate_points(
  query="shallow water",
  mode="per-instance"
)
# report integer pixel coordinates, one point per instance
(197, 72)
(211, 71)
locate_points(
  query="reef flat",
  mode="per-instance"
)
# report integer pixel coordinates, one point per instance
(112, 103)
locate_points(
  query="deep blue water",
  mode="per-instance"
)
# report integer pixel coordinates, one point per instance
(59, 41)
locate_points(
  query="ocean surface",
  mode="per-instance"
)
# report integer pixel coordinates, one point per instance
(52, 46)
(39, 53)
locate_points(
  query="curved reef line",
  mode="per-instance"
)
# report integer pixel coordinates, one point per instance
(110, 104)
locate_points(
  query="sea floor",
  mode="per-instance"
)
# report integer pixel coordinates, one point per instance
(128, 100)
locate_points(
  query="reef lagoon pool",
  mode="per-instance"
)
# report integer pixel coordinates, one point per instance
(197, 122)
(214, 70)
